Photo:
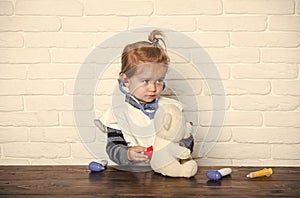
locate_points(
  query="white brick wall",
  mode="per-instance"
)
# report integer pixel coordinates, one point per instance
(255, 45)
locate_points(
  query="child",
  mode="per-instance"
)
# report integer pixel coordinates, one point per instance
(141, 80)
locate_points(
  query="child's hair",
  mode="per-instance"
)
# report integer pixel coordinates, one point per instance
(143, 52)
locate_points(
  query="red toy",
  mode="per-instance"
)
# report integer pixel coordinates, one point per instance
(148, 152)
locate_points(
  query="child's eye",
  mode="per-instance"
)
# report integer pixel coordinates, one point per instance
(159, 81)
(145, 81)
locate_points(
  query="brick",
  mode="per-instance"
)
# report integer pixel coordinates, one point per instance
(22, 87)
(37, 150)
(63, 161)
(266, 163)
(103, 102)
(47, 87)
(284, 23)
(240, 151)
(11, 39)
(95, 149)
(88, 87)
(84, 56)
(49, 7)
(86, 118)
(185, 87)
(213, 162)
(222, 69)
(8, 134)
(280, 55)
(81, 87)
(101, 37)
(59, 71)
(232, 23)
(227, 55)
(265, 39)
(287, 87)
(185, 24)
(224, 134)
(267, 135)
(239, 87)
(265, 71)
(84, 87)
(212, 39)
(119, 40)
(109, 72)
(189, 7)
(243, 119)
(282, 119)
(209, 39)
(232, 119)
(199, 71)
(205, 103)
(58, 39)
(291, 151)
(259, 7)
(264, 103)
(214, 87)
(24, 55)
(30, 24)
(119, 8)
(94, 24)
(41, 103)
(7, 8)
(21, 119)
(12, 87)
(104, 87)
(73, 56)
(11, 103)
(60, 135)
(179, 56)
(67, 119)
(13, 71)
(14, 162)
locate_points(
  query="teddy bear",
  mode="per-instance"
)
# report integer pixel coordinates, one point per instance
(168, 157)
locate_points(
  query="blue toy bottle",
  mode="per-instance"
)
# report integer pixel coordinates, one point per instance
(218, 174)
(97, 167)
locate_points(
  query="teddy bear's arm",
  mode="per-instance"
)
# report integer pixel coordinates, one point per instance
(179, 151)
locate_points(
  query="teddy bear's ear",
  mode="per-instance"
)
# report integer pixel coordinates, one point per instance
(167, 121)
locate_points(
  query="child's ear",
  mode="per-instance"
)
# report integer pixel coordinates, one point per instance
(167, 121)
(125, 80)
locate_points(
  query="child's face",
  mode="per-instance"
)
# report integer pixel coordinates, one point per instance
(147, 82)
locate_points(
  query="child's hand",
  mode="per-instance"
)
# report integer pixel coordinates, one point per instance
(134, 153)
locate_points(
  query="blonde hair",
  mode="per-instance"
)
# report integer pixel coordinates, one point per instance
(142, 52)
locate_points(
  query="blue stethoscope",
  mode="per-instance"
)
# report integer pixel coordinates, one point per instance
(149, 109)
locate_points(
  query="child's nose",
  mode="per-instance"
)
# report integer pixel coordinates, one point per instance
(152, 86)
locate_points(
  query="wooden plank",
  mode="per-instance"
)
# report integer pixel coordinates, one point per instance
(70, 181)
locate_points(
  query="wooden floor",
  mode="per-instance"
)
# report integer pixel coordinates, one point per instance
(77, 181)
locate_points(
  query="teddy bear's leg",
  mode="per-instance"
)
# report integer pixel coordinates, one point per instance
(175, 169)
(191, 167)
